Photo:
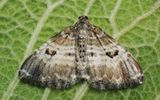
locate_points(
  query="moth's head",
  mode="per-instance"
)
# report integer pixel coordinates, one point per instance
(83, 18)
(83, 22)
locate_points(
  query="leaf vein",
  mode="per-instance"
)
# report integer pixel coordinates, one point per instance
(153, 9)
(2, 3)
(113, 15)
(88, 7)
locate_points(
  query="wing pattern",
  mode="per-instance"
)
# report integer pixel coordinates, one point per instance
(82, 51)
(111, 66)
(52, 65)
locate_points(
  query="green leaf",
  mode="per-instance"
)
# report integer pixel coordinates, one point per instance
(26, 24)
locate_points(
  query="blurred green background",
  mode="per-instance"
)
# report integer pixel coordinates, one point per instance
(26, 24)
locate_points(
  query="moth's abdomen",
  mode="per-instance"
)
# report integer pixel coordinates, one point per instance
(81, 54)
(82, 47)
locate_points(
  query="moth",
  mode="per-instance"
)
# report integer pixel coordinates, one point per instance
(81, 52)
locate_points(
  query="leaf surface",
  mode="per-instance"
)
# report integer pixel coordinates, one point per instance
(26, 24)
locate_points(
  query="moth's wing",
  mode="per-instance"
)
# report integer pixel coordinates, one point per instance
(110, 65)
(53, 65)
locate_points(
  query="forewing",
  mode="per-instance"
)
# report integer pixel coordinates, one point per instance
(53, 65)
(110, 65)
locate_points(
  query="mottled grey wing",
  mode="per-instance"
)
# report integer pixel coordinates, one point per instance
(110, 66)
(53, 65)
